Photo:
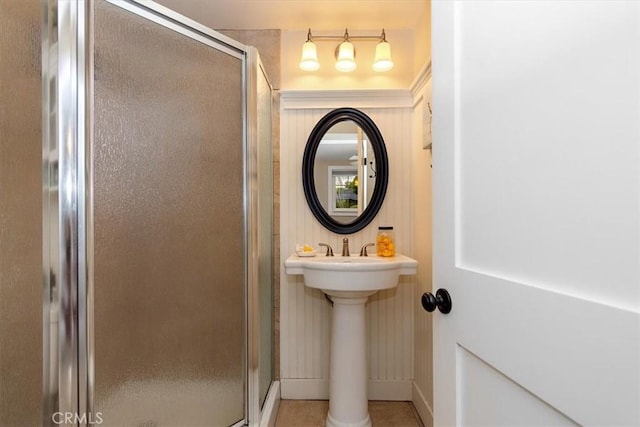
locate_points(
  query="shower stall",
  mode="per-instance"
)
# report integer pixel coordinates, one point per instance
(154, 221)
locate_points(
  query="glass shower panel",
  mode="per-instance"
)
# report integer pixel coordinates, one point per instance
(265, 233)
(20, 214)
(168, 202)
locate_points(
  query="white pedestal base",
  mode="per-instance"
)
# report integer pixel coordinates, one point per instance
(333, 423)
(348, 405)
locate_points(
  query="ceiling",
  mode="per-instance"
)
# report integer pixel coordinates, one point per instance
(301, 14)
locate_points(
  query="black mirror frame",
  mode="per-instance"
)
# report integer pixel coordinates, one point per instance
(382, 169)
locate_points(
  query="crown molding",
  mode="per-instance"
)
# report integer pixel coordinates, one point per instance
(420, 81)
(358, 98)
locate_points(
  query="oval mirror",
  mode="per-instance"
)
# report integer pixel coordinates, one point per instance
(345, 170)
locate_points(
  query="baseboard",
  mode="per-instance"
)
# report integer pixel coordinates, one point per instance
(390, 390)
(271, 405)
(304, 389)
(422, 407)
(318, 389)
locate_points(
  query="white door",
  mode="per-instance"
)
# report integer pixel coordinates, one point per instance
(536, 130)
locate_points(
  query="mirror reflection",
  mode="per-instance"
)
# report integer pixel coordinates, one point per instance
(344, 171)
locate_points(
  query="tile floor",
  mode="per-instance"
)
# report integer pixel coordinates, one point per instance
(312, 413)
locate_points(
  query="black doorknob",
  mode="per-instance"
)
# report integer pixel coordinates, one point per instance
(442, 300)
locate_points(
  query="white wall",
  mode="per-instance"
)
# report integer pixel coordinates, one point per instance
(422, 41)
(304, 313)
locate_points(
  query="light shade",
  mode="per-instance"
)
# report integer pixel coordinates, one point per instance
(346, 57)
(382, 61)
(309, 60)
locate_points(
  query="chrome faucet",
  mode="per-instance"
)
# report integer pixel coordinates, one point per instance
(329, 249)
(345, 247)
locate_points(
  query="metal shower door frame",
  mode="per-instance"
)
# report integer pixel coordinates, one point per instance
(67, 83)
(253, 69)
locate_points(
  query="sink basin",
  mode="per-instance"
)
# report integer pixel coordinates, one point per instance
(353, 276)
(349, 281)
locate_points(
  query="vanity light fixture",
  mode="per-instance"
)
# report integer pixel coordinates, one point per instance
(346, 55)
(345, 52)
(382, 61)
(309, 60)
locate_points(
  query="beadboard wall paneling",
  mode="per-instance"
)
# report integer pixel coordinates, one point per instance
(305, 314)
(422, 395)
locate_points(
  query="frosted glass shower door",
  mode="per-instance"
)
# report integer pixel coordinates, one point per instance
(169, 238)
(21, 231)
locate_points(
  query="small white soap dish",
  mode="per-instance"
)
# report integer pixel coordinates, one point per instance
(303, 250)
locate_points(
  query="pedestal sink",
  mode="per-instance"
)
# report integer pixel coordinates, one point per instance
(349, 281)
